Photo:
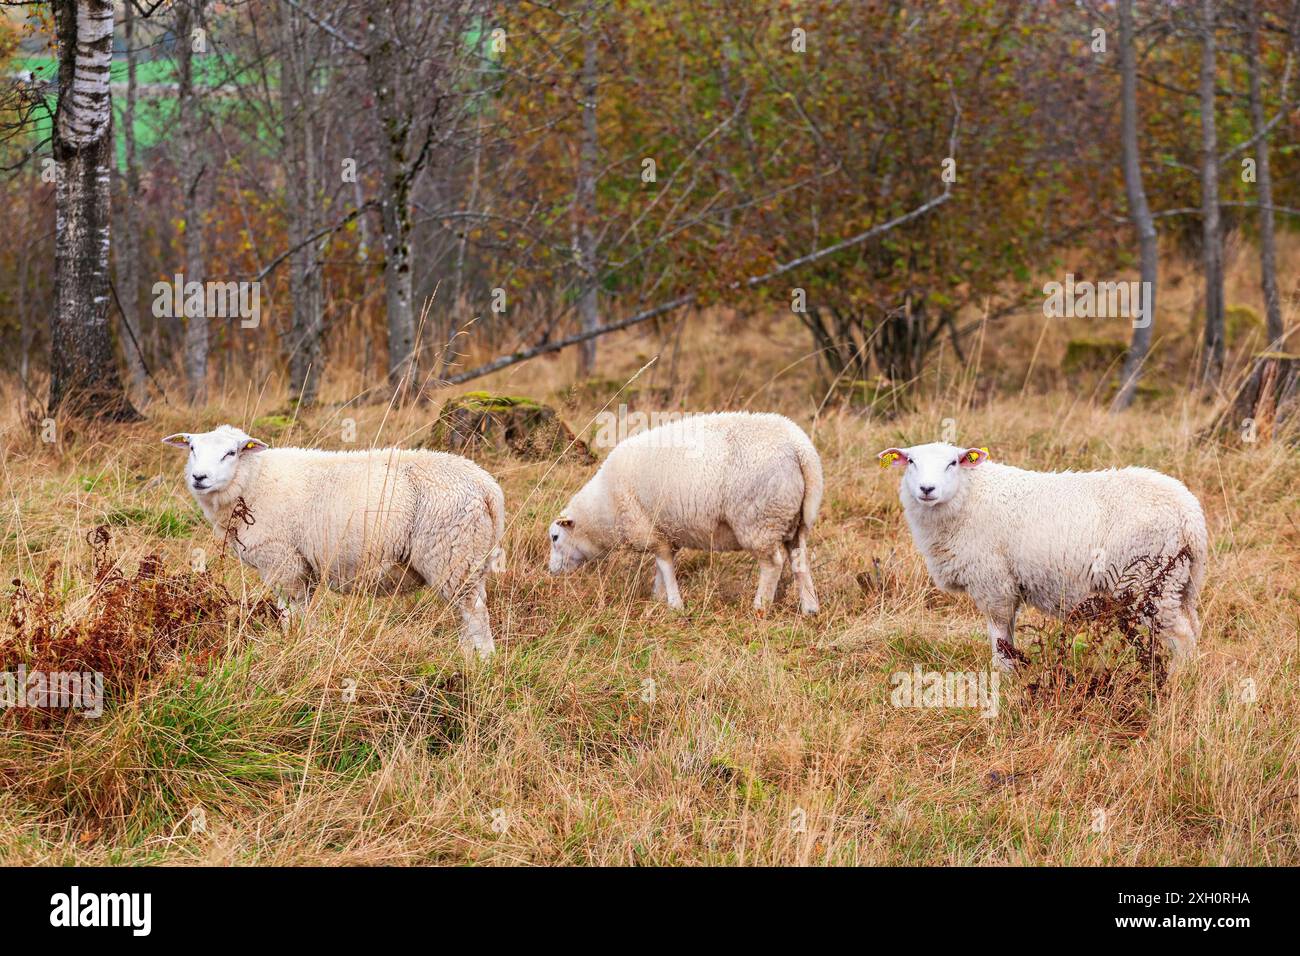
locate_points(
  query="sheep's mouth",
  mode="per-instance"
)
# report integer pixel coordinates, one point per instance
(198, 486)
(928, 499)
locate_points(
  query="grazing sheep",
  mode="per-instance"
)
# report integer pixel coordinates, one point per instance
(730, 481)
(385, 519)
(1009, 537)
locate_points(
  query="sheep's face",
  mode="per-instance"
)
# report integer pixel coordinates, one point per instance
(214, 456)
(932, 474)
(570, 548)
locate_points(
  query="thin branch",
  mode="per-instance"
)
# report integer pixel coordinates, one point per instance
(274, 263)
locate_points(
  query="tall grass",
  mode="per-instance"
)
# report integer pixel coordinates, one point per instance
(610, 729)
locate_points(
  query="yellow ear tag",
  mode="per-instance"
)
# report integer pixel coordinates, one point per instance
(251, 444)
(888, 459)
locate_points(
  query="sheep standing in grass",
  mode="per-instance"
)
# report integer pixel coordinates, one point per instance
(387, 520)
(730, 481)
(1010, 537)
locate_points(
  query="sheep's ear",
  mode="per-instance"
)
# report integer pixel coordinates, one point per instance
(564, 521)
(179, 440)
(251, 445)
(973, 456)
(893, 456)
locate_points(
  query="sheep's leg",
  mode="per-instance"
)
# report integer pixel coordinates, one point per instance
(667, 574)
(802, 568)
(769, 575)
(1178, 630)
(1002, 627)
(289, 575)
(657, 589)
(476, 628)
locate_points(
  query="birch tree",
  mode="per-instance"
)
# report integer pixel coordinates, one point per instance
(300, 47)
(401, 157)
(1211, 232)
(1139, 210)
(412, 53)
(127, 243)
(1264, 177)
(585, 212)
(83, 374)
(189, 17)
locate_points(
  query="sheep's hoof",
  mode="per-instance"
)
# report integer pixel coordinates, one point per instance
(761, 613)
(810, 608)
(1005, 664)
(480, 651)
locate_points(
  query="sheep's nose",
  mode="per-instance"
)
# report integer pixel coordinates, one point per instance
(200, 477)
(927, 489)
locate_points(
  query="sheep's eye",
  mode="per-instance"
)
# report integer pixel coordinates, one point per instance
(953, 462)
(226, 455)
(555, 536)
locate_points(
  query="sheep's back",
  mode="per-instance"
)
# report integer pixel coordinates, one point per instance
(1066, 535)
(351, 510)
(714, 480)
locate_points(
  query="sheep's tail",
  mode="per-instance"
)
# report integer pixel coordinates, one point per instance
(496, 504)
(814, 485)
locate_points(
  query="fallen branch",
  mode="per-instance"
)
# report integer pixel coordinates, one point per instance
(690, 298)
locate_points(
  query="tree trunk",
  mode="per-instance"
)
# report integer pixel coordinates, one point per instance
(395, 213)
(191, 171)
(1212, 369)
(26, 325)
(585, 212)
(306, 289)
(1264, 183)
(83, 374)
(449, 352)
(1139, 212)
(127, 247)
(1267, 405)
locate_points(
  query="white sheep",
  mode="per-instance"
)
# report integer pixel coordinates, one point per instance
(1010, 537)
(386, 519)
(729, 481)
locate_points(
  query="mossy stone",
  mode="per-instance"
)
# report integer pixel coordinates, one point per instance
(513, 424)
(1093, 355)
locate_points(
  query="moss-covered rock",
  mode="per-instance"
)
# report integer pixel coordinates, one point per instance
(1240, 322)
(1093, 355)
(507, 423)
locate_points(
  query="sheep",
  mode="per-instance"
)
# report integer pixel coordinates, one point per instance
(727, 481)
(385, 519)
(1010, 537)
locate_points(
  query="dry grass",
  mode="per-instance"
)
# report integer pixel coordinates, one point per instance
(361, 735)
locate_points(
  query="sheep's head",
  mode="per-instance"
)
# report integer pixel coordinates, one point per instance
(214, 456)
(932, 473)
(570, 547)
